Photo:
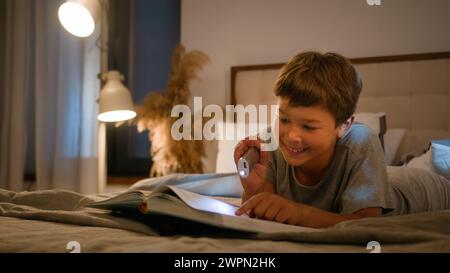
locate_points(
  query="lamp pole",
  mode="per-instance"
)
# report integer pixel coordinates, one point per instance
(102, 166)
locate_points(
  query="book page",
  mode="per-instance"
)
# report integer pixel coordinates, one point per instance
(204, 203)
(129, 200)
(230, 200)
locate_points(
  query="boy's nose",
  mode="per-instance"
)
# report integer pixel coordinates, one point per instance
(295, 135)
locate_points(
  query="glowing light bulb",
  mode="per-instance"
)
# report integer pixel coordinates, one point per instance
(115, 116)
(76, 19)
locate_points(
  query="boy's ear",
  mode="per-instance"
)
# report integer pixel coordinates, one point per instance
(343, 128)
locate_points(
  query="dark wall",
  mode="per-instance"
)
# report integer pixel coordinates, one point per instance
(142, 36)
(156, 32)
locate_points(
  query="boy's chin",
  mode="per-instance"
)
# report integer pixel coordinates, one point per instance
(295, 161)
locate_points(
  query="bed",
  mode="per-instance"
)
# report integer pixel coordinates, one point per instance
(413, 92)
(57, 221)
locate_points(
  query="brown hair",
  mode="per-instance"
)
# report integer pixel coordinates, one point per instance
(315, 79)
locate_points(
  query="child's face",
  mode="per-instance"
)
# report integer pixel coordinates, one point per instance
(307, 134)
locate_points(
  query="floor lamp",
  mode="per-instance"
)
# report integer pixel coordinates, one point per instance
(79, 18)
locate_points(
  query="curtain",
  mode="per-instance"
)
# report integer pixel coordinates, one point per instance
(49, 105)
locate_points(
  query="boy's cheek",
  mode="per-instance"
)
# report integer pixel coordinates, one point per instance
(282, 134)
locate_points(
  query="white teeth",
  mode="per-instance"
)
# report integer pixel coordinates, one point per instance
(295, 150)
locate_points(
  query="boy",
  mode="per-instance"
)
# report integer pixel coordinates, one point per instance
(326, 169)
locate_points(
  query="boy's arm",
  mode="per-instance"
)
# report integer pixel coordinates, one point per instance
(273, 207)
(317, 218)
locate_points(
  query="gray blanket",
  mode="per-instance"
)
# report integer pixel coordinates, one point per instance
(60, 216)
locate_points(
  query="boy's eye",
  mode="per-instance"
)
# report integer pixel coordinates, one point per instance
(307, 127)
(284, 120)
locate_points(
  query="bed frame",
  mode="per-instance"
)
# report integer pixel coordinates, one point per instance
(413, 90)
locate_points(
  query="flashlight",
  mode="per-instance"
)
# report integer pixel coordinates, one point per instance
(248, 161)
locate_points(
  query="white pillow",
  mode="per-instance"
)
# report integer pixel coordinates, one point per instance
(372, 120)
(225, 161)
(440, 155)
(225, 154)
(392, 140)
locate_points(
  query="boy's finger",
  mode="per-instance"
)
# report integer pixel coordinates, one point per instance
(262, 207)
(272, 212)
(261, 170)
(253, 143)
(243, 146)
(244, 208)
(240, 149)
(249, 204)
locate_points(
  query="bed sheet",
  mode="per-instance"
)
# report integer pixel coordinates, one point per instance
(46, 221)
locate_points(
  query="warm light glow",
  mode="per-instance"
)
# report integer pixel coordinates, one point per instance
(114, 116)
(76, 19)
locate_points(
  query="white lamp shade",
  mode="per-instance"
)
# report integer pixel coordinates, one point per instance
(79, 16)
(115, 99)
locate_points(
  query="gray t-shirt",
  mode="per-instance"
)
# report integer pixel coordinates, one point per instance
(356, 178)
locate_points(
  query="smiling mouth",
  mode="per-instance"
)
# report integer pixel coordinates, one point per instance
(295, 150)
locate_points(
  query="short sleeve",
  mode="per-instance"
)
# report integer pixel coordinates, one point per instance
(368, 184)
(272, 173)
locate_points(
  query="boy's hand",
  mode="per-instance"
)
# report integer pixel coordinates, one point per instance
(273, 207)
(257, 179)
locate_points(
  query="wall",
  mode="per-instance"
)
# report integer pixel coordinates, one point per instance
(236, 32)
(156, 32)
(142, 37)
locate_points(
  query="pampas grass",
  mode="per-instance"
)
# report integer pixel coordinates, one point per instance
(169, 155)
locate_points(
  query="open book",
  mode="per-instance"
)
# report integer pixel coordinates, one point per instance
(178, 203)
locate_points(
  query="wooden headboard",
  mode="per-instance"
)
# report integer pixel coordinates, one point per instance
(413, 90)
